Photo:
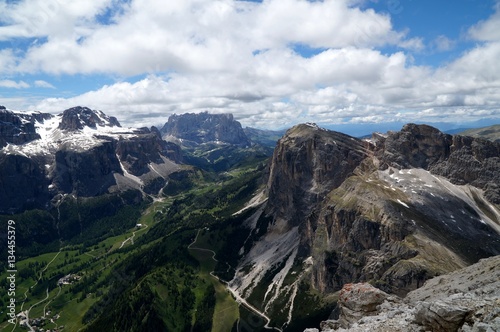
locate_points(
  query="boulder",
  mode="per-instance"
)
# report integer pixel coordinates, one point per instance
(357, 301)
(441, 316)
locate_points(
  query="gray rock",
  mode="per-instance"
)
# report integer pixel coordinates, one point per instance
(461, 159)
(204, 127)
(466, 311)
(19, 128)
(441, 316)
(78, 117)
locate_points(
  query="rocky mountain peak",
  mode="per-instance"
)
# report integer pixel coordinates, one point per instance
(76, 118)
(307, 163)
(205, 127)
(52, 155)
(394, 211)
(461, 159)
(416, 146)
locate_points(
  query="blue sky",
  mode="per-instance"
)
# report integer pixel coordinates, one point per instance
(272, 63)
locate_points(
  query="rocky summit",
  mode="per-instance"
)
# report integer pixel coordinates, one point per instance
(394, 210)
(191, 128)
(77, 118)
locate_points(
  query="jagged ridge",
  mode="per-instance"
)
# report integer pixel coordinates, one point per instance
(81, 152)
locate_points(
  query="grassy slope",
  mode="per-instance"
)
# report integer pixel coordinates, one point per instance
(99, 258)
(99, 261)
(226, 309)
(491, 133)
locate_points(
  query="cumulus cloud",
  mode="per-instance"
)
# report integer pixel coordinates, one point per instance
(487, 30)
(241, 57)
(13, 84)
(196, 35)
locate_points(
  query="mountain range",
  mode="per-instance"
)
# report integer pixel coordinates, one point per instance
(290, 224)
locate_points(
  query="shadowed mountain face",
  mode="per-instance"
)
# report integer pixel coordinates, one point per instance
(394, 210)
(81, 152)
(18, 128)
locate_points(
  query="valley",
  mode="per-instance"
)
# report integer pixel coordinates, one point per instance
(42, 295)
(194, 227)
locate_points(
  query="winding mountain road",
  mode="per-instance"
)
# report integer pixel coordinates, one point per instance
(131, 239)
(237, 297)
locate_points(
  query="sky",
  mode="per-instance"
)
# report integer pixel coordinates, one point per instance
(272, 63)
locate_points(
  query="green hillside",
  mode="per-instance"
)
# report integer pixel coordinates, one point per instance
(491, 133)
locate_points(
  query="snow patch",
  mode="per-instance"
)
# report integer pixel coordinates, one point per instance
(403, 203)
(52, 138)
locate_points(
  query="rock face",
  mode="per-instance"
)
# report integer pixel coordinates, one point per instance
(204, 128)
(147, 148)
(394, 211)
(357, 301)
(308, 162)
(81, 152)
(465, 300)
(86, 173)
(18, 128)
(461, 159)
(23, 184)
(78, 117)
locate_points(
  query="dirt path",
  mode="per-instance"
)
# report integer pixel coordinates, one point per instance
(237, 297)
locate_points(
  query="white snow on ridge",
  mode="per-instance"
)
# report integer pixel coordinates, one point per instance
(418, 184)
(52, 138)
(403, 203)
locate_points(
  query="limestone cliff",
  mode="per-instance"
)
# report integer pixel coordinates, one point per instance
(395, 211)
(19, 128)
(203, 128)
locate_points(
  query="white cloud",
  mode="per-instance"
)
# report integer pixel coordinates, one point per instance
(13, 84)
(239, 57)
(487, 30)
(48, 18)
(7, 60)
(43, 84)
(443, 43)
(195, 35)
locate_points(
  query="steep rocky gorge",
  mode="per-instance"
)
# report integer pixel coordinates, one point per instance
(395, 210)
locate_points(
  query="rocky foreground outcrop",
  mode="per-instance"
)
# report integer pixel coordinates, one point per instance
(465, 300)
